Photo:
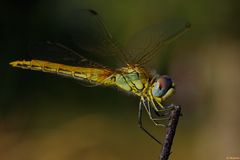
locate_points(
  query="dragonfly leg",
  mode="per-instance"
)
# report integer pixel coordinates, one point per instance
(157, 117)
(152, 106)
(149, 110)
(156, 120)
(159, 107)
(163, 113)
(141, 125)
(147, 107)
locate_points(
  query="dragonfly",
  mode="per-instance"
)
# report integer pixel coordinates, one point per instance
(132, 77)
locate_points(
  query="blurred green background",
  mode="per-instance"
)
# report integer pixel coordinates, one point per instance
(46, 117)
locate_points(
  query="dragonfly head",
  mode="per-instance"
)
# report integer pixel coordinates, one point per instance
(162, 88)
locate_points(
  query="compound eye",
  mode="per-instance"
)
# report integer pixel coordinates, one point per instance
(162, 85)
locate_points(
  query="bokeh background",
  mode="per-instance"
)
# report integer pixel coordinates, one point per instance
(46, 117)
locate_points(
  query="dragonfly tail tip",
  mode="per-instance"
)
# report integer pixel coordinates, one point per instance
(13, 63)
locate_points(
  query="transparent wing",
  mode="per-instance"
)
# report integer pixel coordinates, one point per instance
(89, 33)
(59, 53)
(147, 43)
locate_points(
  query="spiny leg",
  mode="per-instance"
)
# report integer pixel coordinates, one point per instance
(140, 123)
(165, 108)
(158, 122)
(162, 108)
(158, 111)
(149, 110)
(163, 111)
(153, 104)
(158, 106)
(147, 107)
(157, 119)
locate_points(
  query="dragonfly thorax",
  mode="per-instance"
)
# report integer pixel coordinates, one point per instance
(132, 79)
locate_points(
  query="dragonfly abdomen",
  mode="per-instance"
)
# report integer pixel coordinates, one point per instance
(94, 75)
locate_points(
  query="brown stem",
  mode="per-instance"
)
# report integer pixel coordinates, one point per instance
(171, 129)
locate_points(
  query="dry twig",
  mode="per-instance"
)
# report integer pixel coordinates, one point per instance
(171, 129)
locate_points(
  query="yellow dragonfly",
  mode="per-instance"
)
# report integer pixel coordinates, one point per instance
(133, 77)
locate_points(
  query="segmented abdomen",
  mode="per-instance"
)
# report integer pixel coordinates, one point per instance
(95, 75)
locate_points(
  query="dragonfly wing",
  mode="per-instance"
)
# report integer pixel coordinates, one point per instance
(59, 53)
(88, 32)
(147, 43)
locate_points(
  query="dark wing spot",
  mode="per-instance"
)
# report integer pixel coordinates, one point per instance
(93, 12)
